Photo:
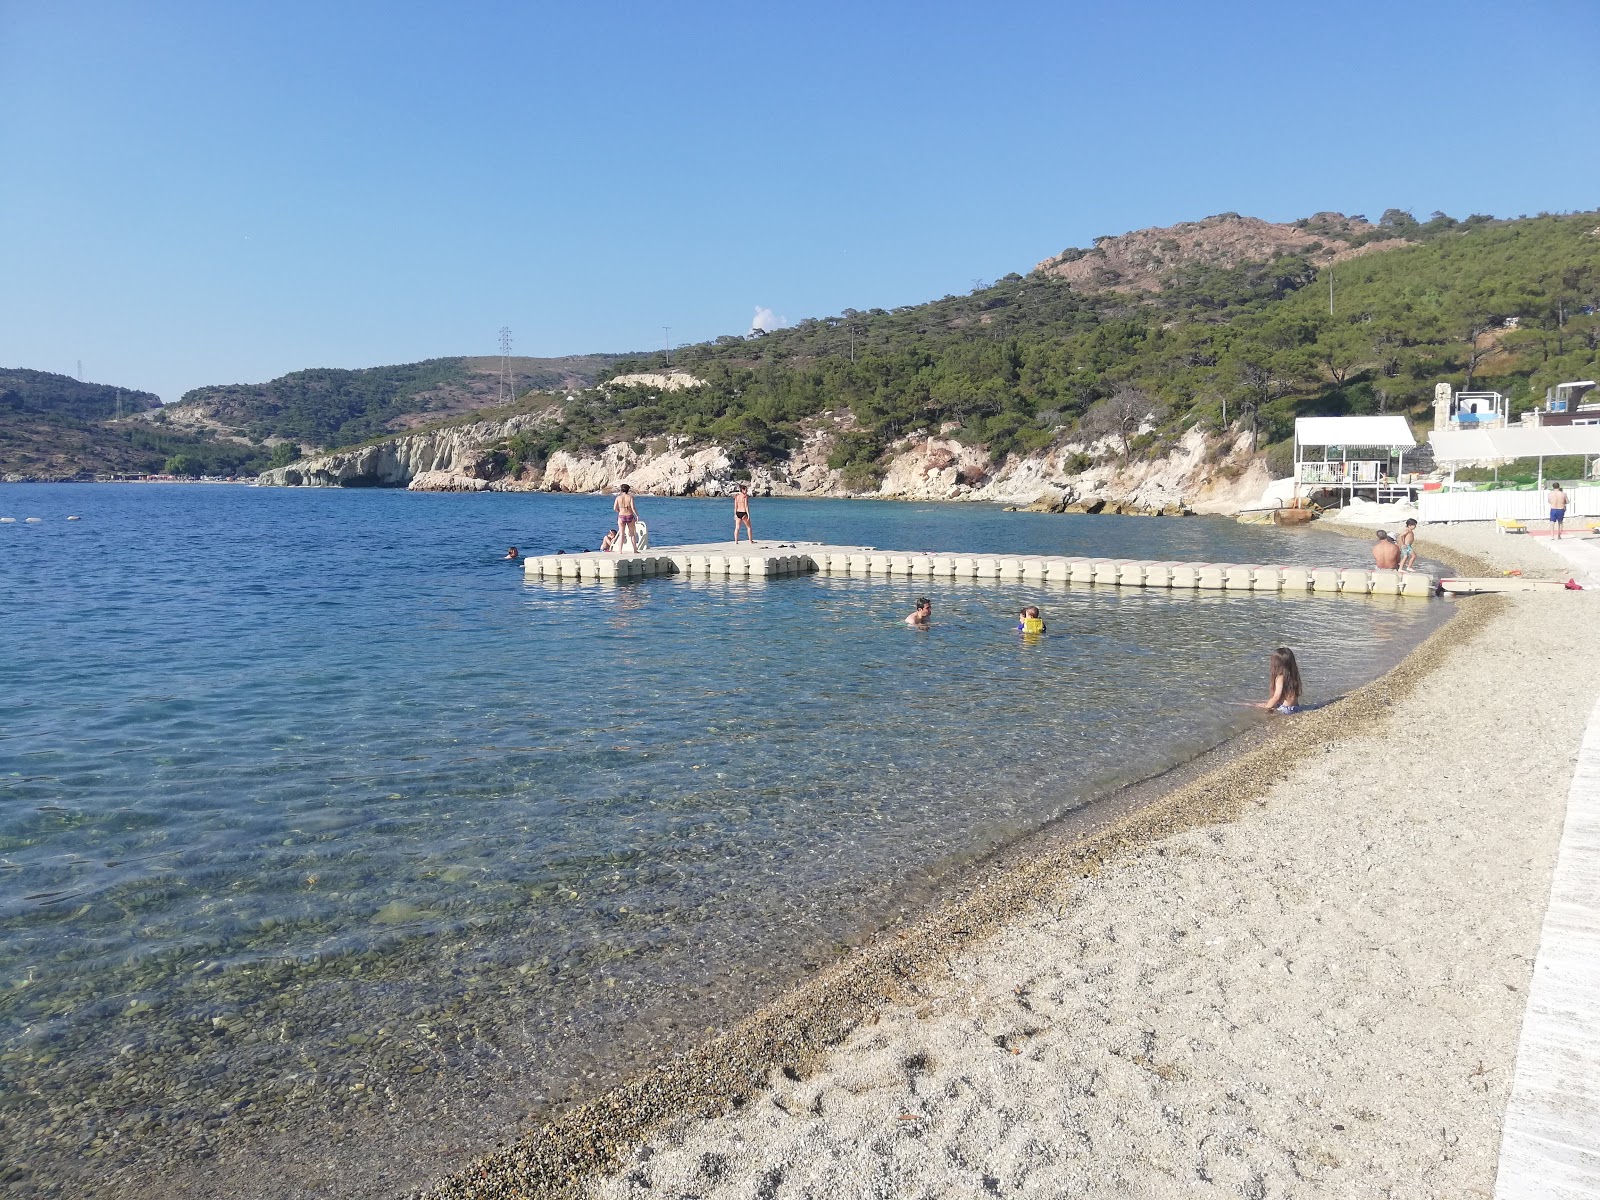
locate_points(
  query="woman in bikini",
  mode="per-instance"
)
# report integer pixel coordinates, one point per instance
(1285, 696)
(627, 518)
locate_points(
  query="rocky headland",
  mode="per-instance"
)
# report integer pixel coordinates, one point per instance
(1201, 472)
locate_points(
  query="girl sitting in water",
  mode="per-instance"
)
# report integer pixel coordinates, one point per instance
(1285, 696)
(1029, 621)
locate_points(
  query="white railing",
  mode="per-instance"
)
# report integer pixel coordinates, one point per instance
(1494, 506)
(1368, 473)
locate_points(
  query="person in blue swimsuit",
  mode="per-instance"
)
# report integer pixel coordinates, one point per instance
(1285, 698)
(1558, 510)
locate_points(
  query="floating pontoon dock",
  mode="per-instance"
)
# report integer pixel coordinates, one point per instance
(767, 560)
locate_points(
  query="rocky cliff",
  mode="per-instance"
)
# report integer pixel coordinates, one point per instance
(1202, 472)
(1142, 261)
(455, 452)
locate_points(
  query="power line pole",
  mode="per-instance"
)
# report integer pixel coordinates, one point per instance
(508, 390)
(666, 334)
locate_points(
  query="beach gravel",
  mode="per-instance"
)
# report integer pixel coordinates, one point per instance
(1301, 974)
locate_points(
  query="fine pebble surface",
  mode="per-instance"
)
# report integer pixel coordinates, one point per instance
(332, 850)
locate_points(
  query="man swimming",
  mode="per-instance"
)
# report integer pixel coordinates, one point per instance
(923, 614)
(511, 555)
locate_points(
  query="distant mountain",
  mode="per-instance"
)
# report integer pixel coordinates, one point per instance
(329, 407)
(55, 427)
(41, 393)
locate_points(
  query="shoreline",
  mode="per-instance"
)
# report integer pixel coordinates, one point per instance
(588, 1140)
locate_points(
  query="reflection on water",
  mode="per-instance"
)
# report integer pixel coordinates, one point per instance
(311, 812)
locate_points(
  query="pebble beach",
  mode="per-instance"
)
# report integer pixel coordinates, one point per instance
(1299, 971)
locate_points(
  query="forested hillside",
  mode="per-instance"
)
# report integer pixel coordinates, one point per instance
(53, 426)
(1033, 360)
(327, 407)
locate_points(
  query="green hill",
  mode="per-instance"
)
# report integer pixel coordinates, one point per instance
(328, 407)
(1030, 361)
(53, 426)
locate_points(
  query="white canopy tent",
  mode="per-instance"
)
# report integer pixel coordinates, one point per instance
(1390, 434)
(1524, 441)
(1354, 431)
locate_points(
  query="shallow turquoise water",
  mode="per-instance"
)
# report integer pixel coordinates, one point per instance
(301, 790)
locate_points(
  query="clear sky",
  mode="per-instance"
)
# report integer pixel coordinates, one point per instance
(200, 193)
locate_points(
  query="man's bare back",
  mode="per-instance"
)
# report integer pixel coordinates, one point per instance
(1385, 553)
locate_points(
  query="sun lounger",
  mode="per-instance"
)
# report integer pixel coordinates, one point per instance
(1510, 525)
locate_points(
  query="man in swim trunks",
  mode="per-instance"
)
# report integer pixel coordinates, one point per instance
(1558, 511)
(1385, 553)
(1408, 545)
(741, 514)
(923, 614)
(627, 518)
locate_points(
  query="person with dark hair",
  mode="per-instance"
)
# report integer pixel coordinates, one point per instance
(1558, 511)
(1408, 545)
(1029, 620)
(741, 514)
(1285, 673)
(923, 614)
(512, 555)
(627, 518)
(1385, 553)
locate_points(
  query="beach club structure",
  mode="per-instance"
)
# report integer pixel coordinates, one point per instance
(1353, 455)
(1461, 447)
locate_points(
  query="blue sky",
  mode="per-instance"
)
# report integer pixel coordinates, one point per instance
(214, 193)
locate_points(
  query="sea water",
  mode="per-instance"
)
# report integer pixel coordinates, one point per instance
(332, 848)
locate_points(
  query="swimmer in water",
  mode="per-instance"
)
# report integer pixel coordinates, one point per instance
(920, 618)
(511, 555)
(1029, 621)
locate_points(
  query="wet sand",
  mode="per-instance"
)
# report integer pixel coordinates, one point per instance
(1299, 973)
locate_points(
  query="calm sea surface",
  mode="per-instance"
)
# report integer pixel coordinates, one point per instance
(331, 848)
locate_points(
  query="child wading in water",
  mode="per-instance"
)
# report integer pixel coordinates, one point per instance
(1285, 696)
(1029, 621)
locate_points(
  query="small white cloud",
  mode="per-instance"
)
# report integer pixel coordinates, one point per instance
(765, 320)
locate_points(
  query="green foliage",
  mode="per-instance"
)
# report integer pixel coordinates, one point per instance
(181, 464)
(1020, 364)
(283, 454)
(44, 394)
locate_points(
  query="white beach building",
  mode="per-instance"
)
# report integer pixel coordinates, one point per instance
(1353, 455)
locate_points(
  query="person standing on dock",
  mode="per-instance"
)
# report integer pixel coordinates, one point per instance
(1558, 511)
(741, 514)
(627, 518)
